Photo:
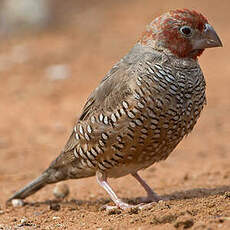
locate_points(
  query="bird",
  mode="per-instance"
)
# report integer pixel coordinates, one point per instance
(141, 110)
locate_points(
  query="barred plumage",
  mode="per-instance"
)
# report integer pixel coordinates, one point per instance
(141, 110)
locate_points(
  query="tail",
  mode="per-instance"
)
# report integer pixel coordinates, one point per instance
(31, 188)
(57, 171)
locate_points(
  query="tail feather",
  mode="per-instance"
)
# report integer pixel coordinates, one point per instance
(31, 188)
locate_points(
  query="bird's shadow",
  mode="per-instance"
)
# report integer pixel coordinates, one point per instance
(197, 193)
(178, 195)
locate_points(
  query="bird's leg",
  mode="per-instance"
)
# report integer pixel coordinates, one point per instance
(151, 195)
(102, 181)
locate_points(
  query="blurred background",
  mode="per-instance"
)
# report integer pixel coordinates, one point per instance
(53, 53)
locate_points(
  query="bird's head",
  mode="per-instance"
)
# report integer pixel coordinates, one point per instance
(184, 33)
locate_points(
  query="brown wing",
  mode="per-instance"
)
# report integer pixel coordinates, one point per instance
(112, 90)
(105, 113)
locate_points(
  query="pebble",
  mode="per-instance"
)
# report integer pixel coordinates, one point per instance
(55, 206)
(113, 211)
(184, 223)
(61, 191)
(227, 195)
(133, 210)
(17, 202)
(23, 221)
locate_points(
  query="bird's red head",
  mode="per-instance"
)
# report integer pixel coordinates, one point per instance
(184, 33)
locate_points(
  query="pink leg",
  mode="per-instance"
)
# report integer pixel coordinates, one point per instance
(102, 181)
(151, 195)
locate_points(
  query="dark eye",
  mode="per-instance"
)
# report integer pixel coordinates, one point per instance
(186, 30)
(206, 26)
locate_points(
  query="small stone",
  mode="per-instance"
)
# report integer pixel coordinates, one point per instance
(134, 210)
(113, 211)
(55, 206)
(184, 223)
(92, 195)
(161, 202)
(23, 220)
(17, 202)
(227, 195)
(186, 177)
(56, 217)
(61, 191)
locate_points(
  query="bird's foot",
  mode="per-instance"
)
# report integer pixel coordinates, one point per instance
(120, 205)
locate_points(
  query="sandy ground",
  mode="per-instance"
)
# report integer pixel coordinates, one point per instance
(38, 112)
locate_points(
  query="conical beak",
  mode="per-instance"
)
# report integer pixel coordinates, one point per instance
(208, 39)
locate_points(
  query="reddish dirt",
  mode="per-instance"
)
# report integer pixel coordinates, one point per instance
(37, 116)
